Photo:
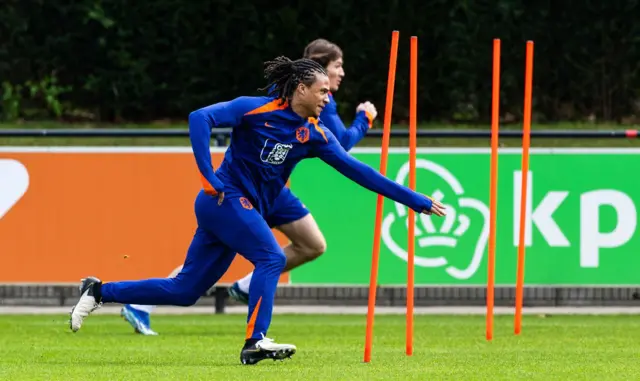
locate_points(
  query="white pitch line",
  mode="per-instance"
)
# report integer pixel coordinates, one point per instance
(338, 310)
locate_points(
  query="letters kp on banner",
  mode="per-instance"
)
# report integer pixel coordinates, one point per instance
(592, 239)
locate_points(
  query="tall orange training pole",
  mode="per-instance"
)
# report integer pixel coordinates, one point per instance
(526, 131)
(493, 187)
(373, 280)
(413, 100)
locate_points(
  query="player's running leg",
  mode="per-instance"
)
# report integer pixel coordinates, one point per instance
(293, 219)
(207, 260)
(139, 315)
(250, 235)
(233, 226)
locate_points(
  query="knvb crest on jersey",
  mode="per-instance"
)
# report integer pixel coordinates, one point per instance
(274, 152)
(302, 134)
(246, 203)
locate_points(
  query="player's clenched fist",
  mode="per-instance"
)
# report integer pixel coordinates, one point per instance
(369, 108)
(436, 208)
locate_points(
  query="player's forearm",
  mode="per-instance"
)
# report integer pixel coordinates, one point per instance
(374, 181)
(357, 131)
(200, 136)
(348, 137)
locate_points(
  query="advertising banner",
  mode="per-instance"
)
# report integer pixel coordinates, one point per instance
(581, 225)
(116, 213)
(127, 213)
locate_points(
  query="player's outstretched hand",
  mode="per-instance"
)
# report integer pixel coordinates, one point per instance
(436, 208)
(369, 108)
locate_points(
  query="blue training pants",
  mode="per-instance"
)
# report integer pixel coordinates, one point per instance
(223, 230)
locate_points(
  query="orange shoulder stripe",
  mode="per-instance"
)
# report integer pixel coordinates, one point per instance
(314, 121)
(274, 105)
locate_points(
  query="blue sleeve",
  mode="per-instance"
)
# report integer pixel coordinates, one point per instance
(223, 114)
(332, 153)
(347, 137)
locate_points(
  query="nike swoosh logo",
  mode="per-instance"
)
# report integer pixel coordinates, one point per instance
(268, 125)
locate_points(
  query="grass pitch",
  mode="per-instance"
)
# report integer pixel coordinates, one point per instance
(206, 347)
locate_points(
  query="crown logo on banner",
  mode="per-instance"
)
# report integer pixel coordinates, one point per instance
(432, 239)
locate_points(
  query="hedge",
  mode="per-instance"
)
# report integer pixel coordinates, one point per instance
(144, 60)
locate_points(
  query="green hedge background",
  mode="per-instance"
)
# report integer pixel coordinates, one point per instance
(147, 60)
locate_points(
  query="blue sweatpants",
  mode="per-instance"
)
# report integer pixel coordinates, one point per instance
(223, 230)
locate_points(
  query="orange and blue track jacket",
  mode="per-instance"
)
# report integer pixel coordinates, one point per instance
(268, 139)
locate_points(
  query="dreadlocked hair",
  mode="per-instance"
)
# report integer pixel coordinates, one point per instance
(283, 75)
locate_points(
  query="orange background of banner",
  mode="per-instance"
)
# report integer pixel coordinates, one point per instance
(118, 216)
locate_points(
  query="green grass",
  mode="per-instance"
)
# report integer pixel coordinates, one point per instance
(367, 142)
(329, 348)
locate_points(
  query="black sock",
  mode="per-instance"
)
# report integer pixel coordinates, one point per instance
(97, 292)
(250, 343)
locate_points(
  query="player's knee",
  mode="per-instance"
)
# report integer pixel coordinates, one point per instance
(271, 260)
(313, 249)
(277, 261)
(320, 247)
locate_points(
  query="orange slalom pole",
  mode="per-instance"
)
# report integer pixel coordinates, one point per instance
(526, 132)
(373, 280)
(413, 100)
(493, 188)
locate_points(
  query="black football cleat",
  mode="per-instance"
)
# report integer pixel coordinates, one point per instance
(266, 349)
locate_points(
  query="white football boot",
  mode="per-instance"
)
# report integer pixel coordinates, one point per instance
(90, 300)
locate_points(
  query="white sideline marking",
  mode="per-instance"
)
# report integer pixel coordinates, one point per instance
(338, 310)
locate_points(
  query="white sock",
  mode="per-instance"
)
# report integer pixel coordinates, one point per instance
(139, 307)
(245, 282)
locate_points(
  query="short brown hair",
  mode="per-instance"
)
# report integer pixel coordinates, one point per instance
(322, 51)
